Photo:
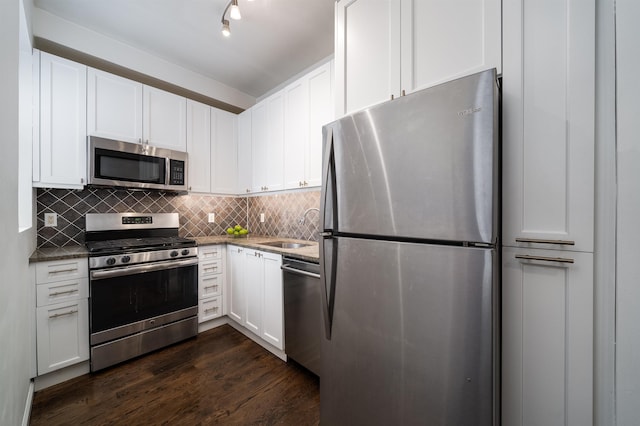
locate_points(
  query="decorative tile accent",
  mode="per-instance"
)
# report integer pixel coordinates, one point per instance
(72, 206)
(282, 212)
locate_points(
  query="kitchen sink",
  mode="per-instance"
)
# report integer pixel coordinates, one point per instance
(285, 245)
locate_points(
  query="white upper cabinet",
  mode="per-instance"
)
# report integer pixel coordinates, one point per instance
(548, 94)
(129, 111)
(114, 107)
(308, 105)
(244, 152)
(199, 146)
(320, 113)
(367, 53)
(275, 150)
(267, 144)
(259, 146)
(387, 47)
(164, 119)
(60, 151)
(296, 135)
(224, 152)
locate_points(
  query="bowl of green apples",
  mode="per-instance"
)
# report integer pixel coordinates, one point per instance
(237, 231)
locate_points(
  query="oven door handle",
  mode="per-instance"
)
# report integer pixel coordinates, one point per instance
(140, 269)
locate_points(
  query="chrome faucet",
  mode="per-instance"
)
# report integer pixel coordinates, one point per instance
(304, 215)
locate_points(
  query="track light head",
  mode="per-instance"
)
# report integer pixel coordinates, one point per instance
(226, 31)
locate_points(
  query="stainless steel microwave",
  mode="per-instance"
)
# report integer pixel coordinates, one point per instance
(131, 165)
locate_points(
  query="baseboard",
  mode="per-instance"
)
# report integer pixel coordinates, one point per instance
(62, 375)
(27, 406)
(217, 322)
(277, 352)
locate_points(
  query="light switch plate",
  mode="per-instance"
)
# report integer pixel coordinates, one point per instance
(261, 217)
(50, 219)
(212, 217)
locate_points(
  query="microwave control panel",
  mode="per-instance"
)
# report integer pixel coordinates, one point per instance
(176, 172)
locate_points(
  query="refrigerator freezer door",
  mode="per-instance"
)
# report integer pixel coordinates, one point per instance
(421, 166)
(412, 336)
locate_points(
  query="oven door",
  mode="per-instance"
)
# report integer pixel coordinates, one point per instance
(128, 300)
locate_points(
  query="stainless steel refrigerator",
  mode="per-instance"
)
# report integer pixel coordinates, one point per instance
(410, 260)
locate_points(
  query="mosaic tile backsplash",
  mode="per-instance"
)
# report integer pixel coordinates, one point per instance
(281, 211)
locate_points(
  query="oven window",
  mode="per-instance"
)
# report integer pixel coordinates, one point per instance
(127, 299)
(129, 167)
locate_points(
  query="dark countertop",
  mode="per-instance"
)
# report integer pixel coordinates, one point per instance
(309, 253)
(59, 253)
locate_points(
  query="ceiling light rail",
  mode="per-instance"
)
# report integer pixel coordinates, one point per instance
(234, 13)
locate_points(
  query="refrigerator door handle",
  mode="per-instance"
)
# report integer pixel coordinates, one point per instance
(328, 220)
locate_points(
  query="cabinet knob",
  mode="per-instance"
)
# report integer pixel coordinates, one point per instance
(306, 183)
(248, 190)
(189, 188)
(403, 94)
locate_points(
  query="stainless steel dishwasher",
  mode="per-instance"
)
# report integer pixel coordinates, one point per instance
(302, 312)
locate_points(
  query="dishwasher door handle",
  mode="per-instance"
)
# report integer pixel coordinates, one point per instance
(288, 268)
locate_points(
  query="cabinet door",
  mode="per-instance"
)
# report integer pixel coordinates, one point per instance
(296, 125)
(367, 53)
(62, 335)
(199, 146)
(224, 160)
(259, 146)
(164, 119)
(254, 290)
(235, 276)
(275, 146)
(443, 40)
(244, 152)
(272, 308)
(114, 107)
(63, 123)
(548, 116)
(320, 113)
(209, 309)
(547, 338)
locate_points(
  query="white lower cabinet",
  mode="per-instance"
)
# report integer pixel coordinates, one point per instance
(211, 282)
(255, 298)
(547, 337)
(62, 314)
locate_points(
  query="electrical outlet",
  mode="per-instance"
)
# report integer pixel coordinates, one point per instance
(212, 217)
(261, 217)
(50, 219)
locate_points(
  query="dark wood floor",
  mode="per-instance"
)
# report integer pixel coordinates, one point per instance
(220, 377)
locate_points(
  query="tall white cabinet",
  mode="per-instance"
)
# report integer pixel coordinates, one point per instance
(60, 144)
(385, 48)
(548, 204)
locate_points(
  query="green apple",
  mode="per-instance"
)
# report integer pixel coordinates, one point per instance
(237, 227)
(230, 231)
(243, 232)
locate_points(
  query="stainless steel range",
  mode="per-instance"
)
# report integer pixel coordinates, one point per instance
(143, 285)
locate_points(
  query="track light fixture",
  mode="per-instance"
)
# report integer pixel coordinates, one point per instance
(234, 13)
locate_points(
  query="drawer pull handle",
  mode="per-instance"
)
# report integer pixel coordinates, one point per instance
(58, 293)
(63, 314)
(544, 258)
(210, 310)
(211, 286)
(542, 241)
(59, 271)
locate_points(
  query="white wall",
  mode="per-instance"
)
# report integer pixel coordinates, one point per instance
(628, 234)
(66, 33)
(16, 309)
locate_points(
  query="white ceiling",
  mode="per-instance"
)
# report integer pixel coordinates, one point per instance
(275, 40)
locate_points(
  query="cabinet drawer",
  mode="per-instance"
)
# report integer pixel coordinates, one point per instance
(209, 309)
(210, 252)
(61, 291)
(210, 267)
(210, 286)
(60, 270)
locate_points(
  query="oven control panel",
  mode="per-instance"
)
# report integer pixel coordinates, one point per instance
(123, 260)
(137, 220)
